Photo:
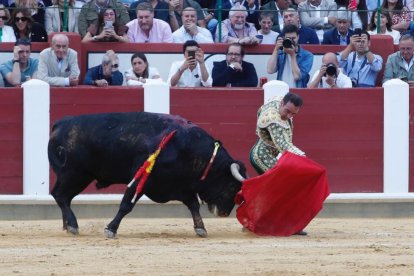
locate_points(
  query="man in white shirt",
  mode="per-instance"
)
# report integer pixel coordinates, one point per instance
(266, 21)
(192, 71)
(189, 30)
(330, 75)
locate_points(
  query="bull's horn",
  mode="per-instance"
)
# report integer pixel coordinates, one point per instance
(234, 167)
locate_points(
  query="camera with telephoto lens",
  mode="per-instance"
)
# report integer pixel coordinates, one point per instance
(287, 43)
(331, 70)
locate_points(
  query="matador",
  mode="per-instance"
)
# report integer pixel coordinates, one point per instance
(274, 131)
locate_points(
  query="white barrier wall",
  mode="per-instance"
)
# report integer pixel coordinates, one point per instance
(396, 136)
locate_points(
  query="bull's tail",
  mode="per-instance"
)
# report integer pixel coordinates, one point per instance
(56, 151)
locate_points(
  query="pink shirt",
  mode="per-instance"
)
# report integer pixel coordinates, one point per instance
(160, 32)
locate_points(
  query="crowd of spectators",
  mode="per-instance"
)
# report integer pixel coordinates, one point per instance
(286, 24)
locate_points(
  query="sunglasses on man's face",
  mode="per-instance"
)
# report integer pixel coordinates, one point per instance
(17, 19)
(115, 65)
(4, 17)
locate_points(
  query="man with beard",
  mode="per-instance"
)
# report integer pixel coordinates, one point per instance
(235, 29)
(234, 71)
(104, 74)
(22, 67)
(189, 30)
(146, 28)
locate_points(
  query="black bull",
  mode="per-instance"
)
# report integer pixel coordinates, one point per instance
(109, 148)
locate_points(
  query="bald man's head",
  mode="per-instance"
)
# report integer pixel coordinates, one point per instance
(330, 58)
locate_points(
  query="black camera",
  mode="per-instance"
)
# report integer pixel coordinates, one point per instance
(358, 31)
(331, 70)
(354, 82)
(287, 43)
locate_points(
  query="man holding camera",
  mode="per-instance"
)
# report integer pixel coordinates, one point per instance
(192, 71)
(359, 63)
(290, 61)
(330, 75)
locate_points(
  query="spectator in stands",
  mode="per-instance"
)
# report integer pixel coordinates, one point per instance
(319, 15)
(161, 9)
(176, 8)
(276, 8)
(234, 71)
(399, 64)
(90, 12)
(103, 75)
(385, 26)
(290, 61)
(36, 9)
(359, 15)
(6, 32)
(330, 74)
(189, 30)
(58, 64)
(266, 22)
(22, 67)
(306, 35)
(359, 63)
(236, 29)
(107, 30)
(192, 71)
(54, 17)
(341, 34)
(400, 14)
(24, 26)
(146, 28)
(252, 6)
(140, 71)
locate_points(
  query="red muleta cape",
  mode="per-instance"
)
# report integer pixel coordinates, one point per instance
(285, 199)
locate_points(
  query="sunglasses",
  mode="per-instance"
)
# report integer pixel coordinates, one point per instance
(115, 65)
(23, 19)
(4, 17)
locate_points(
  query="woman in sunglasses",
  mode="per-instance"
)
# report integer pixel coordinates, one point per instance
(140, 71)
(36, 9)
(24, 26)
(6, 32)
(108, 29)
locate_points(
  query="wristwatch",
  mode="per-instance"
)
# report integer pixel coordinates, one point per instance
(95, 38)
(14, 61)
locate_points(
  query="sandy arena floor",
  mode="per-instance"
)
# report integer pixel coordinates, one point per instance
(170, 247)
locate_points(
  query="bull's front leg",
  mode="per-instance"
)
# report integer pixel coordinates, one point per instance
(194, 208)
(125, 208)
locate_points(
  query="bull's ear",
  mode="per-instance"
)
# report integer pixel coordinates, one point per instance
(235, 171)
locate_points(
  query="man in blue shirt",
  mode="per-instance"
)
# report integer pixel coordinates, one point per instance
(22, 67)
(105, 74)
(359, 63)
(290, 61)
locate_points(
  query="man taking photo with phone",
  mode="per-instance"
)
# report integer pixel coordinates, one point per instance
(359, 63)
(192, 71)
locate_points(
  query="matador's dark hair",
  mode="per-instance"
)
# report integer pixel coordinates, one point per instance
(293, 98)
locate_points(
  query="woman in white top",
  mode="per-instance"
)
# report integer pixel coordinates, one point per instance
(6, 32)
(54, 17)
(385, 26)
(140, 71)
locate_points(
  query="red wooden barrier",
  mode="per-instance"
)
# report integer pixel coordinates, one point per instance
(11, 141)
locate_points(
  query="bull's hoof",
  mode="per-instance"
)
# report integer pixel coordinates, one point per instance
(201, 232)
(72, 230)
(109, 234)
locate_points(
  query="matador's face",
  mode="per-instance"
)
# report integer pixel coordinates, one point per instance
(288, 110)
